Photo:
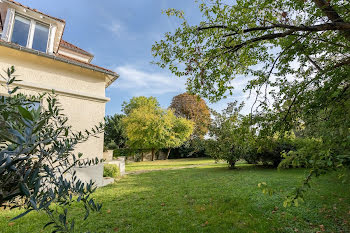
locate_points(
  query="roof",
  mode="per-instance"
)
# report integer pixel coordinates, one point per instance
(86, 63)
(64, 59)
(35, 10)
(63, 44)
(70, 46)
(106, 71)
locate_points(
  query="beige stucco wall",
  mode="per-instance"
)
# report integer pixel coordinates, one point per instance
(80, 91)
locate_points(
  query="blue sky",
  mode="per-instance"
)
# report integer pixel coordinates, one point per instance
(120, 34)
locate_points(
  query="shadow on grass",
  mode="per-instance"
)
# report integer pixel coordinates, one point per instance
(212, 199)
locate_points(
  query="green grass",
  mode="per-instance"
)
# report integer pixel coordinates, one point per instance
(208, 199)
(166, 164)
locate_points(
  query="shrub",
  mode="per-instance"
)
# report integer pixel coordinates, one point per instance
(136, 154)
(269, 150)
(111, 170)
(194, 148)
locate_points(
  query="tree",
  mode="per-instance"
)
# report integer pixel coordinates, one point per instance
(149, 127)
(194, 108)
(296, 55)
(229, 42)
(37, 157)
(141, 101)
(114, 131)
(230, 135)
(145, 124)
(180, 132)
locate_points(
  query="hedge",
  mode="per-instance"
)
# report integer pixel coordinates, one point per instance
(111, 170)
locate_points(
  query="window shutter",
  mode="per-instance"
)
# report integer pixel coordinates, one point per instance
(6, 34)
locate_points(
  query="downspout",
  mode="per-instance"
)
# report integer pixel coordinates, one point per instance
(1, 25)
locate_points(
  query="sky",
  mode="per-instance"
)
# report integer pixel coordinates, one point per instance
(120, 33)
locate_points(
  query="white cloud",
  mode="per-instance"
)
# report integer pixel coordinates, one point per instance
(138, 82)
(115, 27)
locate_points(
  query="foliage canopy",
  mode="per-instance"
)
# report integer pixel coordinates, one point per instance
(194, 108)
(296, 57)
(140, 101)
(114, 132)
(149, 127)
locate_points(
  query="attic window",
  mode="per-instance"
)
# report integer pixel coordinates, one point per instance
(20, 32)
(41, 36)
(30, 33)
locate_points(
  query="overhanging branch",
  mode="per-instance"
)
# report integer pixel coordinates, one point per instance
(331, 14)
(261, 38)
(335, 26)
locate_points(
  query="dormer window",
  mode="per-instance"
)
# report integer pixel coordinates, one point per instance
(41, 37)
(20, 32)
(30, 33)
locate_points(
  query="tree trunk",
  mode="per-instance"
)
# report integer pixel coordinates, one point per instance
(276, 163)
(232, 164)
(141, 156)
(152, 157)
(167, 156)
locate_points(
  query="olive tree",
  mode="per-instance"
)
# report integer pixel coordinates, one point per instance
(37, 156)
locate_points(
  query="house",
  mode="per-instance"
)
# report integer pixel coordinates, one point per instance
(32, 42)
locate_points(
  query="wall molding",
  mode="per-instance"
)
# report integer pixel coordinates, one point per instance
(60, 91)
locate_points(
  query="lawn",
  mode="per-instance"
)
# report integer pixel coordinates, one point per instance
(209, 198)
(166, 164)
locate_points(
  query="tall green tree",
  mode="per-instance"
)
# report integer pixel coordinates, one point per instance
(140, 101)
(296, 54)
(114, 131)
(147, 129)
(150, 127)
(181, 131)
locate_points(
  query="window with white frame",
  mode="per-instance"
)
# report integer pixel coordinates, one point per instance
(20, 31)
(40, 37)
(30, 33)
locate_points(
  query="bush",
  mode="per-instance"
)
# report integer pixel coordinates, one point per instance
(269, 150)
(194, 148)
(111, 170)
